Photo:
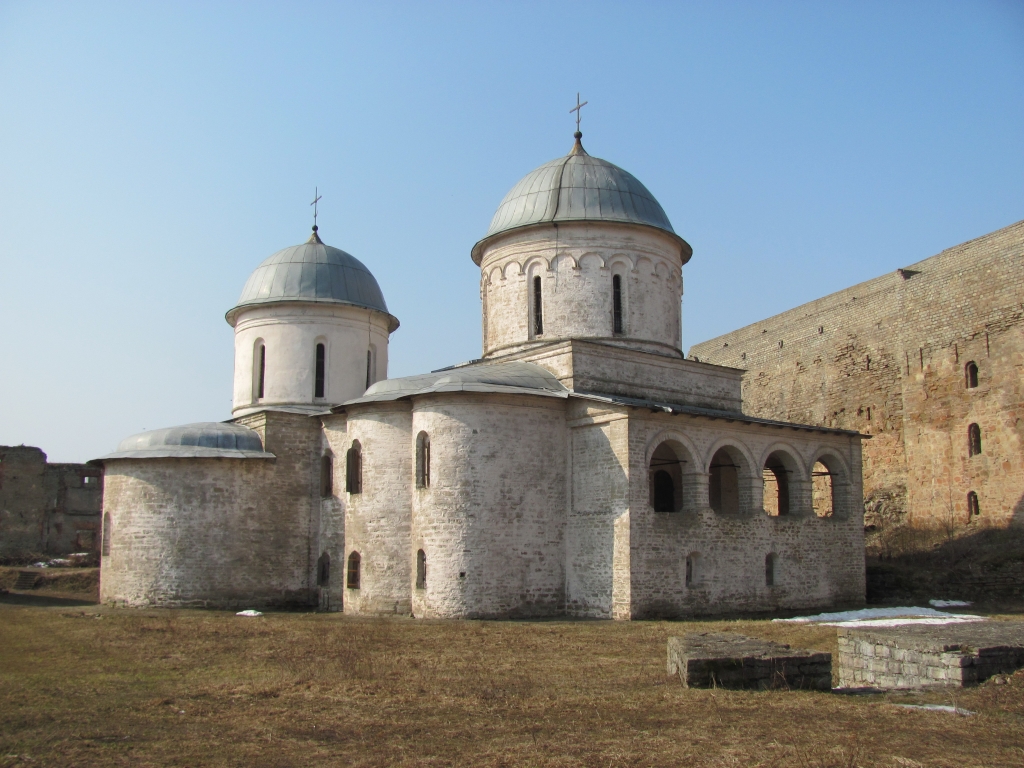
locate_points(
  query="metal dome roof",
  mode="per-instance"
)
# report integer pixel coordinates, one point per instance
(207, 439)
(577, 187)
(316, 273)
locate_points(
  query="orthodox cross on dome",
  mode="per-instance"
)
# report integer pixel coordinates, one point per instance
(316, 199)
(577, 109)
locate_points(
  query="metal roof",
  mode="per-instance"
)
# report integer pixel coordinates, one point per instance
(203, 440)
(578, 187)
(312, 272)
(509, 378)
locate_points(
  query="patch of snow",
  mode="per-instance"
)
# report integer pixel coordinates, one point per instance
(909, 620)
(949, 603)
(249, 612)
(873, 613)
(937, 708)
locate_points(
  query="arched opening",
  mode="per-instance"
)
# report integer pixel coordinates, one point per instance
(421, 569)
(973, 509)
(352, 574)
(973, 440)
(326, 476)
(770, 565)
(822, 490)
(259, 373)
(354, 469)
(666, 479)
(422, 460)
(323, 570)
(321, 370)
(971, 375)
(692, 568)
(616, 304)
(105, 544)
(538, 308)
(776, 474)
(724, 482)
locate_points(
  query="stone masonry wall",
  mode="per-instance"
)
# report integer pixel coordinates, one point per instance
(231, 533)
(47, 509)
(887, 358)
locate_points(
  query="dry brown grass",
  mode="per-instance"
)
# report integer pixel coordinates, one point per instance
(187, 688)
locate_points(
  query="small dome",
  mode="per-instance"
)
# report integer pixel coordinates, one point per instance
(312, 272)
(577, 187)
(207, 439)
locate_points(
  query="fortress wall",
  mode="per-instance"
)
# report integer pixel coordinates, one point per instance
(47, 509)
(491, 523)
(225, 533)
(887, 357)
(819, 561)
(378, 520)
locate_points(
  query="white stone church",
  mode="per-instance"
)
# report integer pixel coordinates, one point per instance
(582, 467)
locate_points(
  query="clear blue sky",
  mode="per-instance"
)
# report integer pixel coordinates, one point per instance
(151, 155)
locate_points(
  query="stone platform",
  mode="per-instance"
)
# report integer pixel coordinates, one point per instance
(706, 660)
(929, 656)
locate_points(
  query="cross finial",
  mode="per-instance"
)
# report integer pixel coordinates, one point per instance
(316, 199)
(577, 110)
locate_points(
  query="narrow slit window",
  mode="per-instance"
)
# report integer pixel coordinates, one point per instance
(261, 375)
(538, 308)
(973, 440)
(354, 469)
(321, 364)
(105, 545)
(422, 460)
(973, 509)
(689, 570)
(616, 304)
(971, 375)
(369, 366)
(327, 476)
(421, 570)
(352, 577)
(769, 570)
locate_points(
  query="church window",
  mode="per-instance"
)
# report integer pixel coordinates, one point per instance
(421, 570)
(321, 364)
(327, 476)
(971, 375)
(369, 368)
(666, 479)
(616, 304)
(973, 440)
(769, 570)
(664, 495)
(723, 483)
(538, 308)
(973, 509)
(261, 370)
(422, 460)
(323, 570)
(692, 574)
(352, 577)
(105, 545)
(354, 469)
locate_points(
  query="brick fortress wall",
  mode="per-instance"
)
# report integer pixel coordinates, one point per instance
(887, 357)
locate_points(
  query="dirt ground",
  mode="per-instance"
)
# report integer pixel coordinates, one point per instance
(82, 685)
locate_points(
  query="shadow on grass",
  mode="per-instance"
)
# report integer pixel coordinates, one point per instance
(43, 601)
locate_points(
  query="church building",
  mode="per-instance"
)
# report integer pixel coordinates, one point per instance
(581, 467)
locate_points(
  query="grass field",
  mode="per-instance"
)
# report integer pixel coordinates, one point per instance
(89, 686)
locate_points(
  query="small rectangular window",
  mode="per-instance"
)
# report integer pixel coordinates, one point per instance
(616, 304)
(321, 364)
(538, 308)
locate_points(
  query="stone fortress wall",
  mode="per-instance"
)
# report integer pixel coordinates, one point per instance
(47, 509)
(890, 358)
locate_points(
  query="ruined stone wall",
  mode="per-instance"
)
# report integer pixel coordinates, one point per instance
(887, 358)
(215, 532)
(47, 509)
(491, 523)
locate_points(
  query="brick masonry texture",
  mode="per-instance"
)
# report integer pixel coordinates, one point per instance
(47, 509)
(722, 660)
(888, 357)
(929, 656)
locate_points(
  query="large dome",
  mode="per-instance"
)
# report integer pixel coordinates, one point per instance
(577, 187)
(207, 439)
(312, 272)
